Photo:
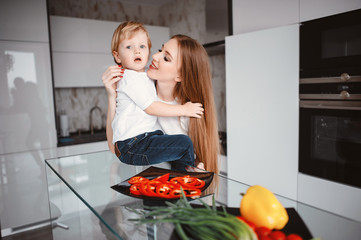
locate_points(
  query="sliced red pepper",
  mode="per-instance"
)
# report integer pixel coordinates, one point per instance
(135, 189)
(189, 182)
(199, 183)
(164, 189)
(192, 192)
(137, 179)
(176, 180)
(188, 192)
(175, 193)
(164, 178)
(149, 188)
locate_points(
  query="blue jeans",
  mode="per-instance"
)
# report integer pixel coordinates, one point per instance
(156, 147)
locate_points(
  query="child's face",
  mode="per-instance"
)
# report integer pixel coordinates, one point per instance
(133, 53)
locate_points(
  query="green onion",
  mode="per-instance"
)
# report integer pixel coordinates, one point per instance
(197, 223)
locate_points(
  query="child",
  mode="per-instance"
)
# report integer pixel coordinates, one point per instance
(137, 138)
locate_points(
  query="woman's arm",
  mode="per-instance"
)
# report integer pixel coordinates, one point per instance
(110, 117)
(188, 109)
(110, 78)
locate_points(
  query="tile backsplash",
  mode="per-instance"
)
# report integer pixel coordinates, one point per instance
(181, 16)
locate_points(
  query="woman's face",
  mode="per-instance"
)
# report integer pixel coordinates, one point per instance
(165, 64)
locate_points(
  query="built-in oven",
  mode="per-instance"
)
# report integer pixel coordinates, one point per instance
(331, 45)
(330, 128)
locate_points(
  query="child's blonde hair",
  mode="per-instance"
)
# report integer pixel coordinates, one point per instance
(126, 30)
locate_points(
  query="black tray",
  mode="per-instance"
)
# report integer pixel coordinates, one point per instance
(153, 172)
(295, 223)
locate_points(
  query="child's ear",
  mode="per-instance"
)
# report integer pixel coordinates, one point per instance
(116, 57)
(178, 79)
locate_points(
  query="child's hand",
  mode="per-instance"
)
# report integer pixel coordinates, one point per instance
(193, 110)
(110, 77)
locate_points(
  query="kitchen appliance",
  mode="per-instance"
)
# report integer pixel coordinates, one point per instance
(330, 128)
(331, 46)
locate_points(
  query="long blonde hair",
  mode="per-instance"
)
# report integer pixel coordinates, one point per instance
(196, 86)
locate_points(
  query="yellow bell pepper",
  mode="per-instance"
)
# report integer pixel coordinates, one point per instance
(260, 206)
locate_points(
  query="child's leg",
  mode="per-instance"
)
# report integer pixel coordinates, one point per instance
(155, 147)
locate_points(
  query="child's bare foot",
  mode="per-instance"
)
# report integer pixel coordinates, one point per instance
(198, 168)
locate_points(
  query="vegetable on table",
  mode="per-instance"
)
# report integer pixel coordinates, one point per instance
(260, 206)
(197, 222)
(164, 187)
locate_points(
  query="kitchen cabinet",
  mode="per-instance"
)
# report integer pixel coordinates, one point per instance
(23, 20)
(27, 129)
(310, 9)
(26, 100)
(81, 49)
(251, 16)
(262, 108)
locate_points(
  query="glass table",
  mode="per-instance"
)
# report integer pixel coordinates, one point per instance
(83, 205)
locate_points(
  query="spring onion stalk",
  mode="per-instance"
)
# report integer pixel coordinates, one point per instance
(197, 223)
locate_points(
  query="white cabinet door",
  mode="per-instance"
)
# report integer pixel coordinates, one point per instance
(262, 108)
(81, 49)
(249, 16)
(80, 69)
(81, 35)
(26, 99)
(24, 20)
(310, 9)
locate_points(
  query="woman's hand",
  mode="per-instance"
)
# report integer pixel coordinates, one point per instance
(110, 78)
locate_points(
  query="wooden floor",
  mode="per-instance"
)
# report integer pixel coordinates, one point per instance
(44, 233)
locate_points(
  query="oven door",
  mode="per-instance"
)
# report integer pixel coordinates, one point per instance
(330, 140)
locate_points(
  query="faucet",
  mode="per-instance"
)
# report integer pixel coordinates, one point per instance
(91, 127)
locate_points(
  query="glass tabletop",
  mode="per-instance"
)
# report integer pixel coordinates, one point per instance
(84, 206)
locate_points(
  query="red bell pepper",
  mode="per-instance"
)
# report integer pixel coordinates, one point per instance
(137, 179)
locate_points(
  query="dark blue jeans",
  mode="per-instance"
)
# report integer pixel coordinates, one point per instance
(156, 147)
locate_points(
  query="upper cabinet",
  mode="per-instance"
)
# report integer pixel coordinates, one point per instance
(17, 24)
(249, 16)
(81, 49)
(310, 9)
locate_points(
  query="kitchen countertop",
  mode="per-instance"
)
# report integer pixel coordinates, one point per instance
(82, 137)
(89, 177)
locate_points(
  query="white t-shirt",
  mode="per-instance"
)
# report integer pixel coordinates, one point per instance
(173, 125)
(135, 92)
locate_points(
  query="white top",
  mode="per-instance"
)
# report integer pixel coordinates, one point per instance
(173, 125)
(135, 92)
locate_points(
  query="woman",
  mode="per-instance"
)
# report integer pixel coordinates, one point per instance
(182, 74)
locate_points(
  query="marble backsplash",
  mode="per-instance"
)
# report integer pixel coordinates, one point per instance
(77, 103)
(181, 16)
